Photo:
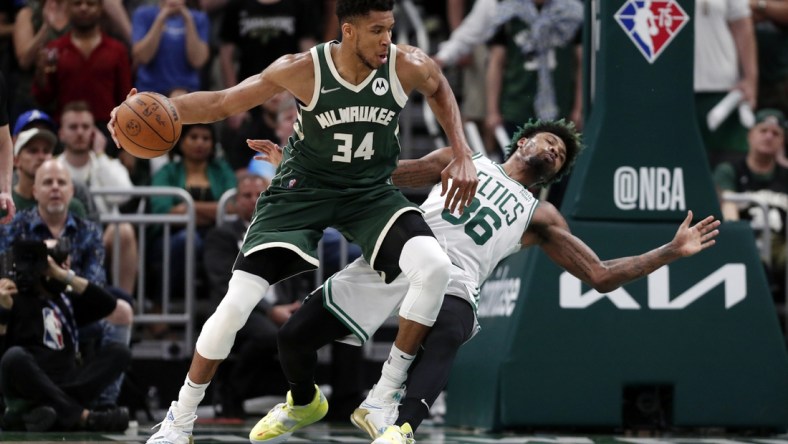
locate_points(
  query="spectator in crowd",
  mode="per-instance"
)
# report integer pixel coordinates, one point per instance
(771, 33)
(85, 158)
(33, 118)
(87, 259)
(6, 157)
(759, 177)
(84, 56)
(40, 363)
(256, 33)
(36, 24)
(725, 60)
(206, 178)
(170, 46)
(532, 61)
(33, 147)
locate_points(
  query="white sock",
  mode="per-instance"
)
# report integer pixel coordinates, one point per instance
(190, 395)
(394, 373)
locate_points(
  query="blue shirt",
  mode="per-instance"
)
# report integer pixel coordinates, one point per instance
(169, 68)
(87, 248)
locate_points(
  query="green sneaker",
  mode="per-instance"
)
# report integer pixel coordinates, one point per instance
(286, 418)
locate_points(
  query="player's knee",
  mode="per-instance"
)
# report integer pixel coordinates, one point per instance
(218, 333)
(437, 268)
(122, 315)
(423, 260)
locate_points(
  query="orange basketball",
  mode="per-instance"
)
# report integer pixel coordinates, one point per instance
(147, 125)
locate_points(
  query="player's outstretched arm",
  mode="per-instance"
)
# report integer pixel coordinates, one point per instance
(550, 231)
(417, 71)
(292, 72)
(421, 172)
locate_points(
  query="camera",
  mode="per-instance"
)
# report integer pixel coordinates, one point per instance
(26, 261)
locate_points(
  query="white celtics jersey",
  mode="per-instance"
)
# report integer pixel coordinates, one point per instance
(489, 230)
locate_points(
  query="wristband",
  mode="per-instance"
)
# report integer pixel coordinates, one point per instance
(5, 316)
(69, 277)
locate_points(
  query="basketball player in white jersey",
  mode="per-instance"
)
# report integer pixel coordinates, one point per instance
(503, 218)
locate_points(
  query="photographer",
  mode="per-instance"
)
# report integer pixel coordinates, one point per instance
(53, 190)
(43, 378)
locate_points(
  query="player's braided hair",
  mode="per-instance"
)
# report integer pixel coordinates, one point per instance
(346, 10)
(564, 129)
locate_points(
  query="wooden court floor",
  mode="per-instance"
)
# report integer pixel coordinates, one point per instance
(427, 434)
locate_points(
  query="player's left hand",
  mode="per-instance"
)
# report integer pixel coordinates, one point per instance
(464, 181)
(691, 240)
(8, 207)
(269, 151)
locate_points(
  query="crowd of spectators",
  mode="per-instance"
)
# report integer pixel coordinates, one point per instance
(67, 63)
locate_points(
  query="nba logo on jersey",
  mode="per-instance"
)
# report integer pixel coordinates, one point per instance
(651, 24)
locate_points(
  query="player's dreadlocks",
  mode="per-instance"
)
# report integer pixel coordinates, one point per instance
(564, 129)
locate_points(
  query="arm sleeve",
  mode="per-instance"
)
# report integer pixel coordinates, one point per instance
(92, 305)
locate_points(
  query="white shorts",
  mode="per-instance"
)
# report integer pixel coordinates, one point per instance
(360, 299)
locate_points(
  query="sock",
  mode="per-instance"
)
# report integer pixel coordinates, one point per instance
(190, 395)
(394, 373)
(302, 394)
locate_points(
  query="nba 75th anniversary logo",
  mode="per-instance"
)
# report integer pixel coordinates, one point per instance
(651, 24)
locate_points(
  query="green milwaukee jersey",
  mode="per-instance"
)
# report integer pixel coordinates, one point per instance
(347, 136)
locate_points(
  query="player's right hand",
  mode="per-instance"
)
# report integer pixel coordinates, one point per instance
(111, 123)
(269, 151)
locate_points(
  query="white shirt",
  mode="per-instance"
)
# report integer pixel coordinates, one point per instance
(716, 57)
(100, 172)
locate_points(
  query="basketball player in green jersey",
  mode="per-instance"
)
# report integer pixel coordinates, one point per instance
(503, 218)
(336, 172)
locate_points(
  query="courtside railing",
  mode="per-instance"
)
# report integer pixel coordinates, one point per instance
(172, 312)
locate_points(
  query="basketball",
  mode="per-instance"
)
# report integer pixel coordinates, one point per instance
(147, 125)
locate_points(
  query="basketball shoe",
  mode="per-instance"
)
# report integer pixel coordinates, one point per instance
(175, 429)
(396, 435)
(286, 418)
(374, 415)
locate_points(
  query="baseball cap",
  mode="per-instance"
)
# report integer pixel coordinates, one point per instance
(770, 115)
(30, 116)
(27, 135)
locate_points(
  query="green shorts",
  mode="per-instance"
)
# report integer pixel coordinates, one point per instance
(294, 218)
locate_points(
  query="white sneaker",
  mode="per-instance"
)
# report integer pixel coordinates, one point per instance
(175, 429)
(375, 415)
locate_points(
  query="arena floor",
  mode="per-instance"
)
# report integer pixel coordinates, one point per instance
(427, 434)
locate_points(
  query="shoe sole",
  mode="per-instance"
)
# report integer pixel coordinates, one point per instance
(359, 419)
(281, 438)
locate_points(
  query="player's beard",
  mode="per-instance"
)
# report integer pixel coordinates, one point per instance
(539, 166)
(364, 59)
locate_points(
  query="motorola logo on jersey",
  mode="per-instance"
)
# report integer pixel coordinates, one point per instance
(651, 24)
(380, 86)
(649, 189)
